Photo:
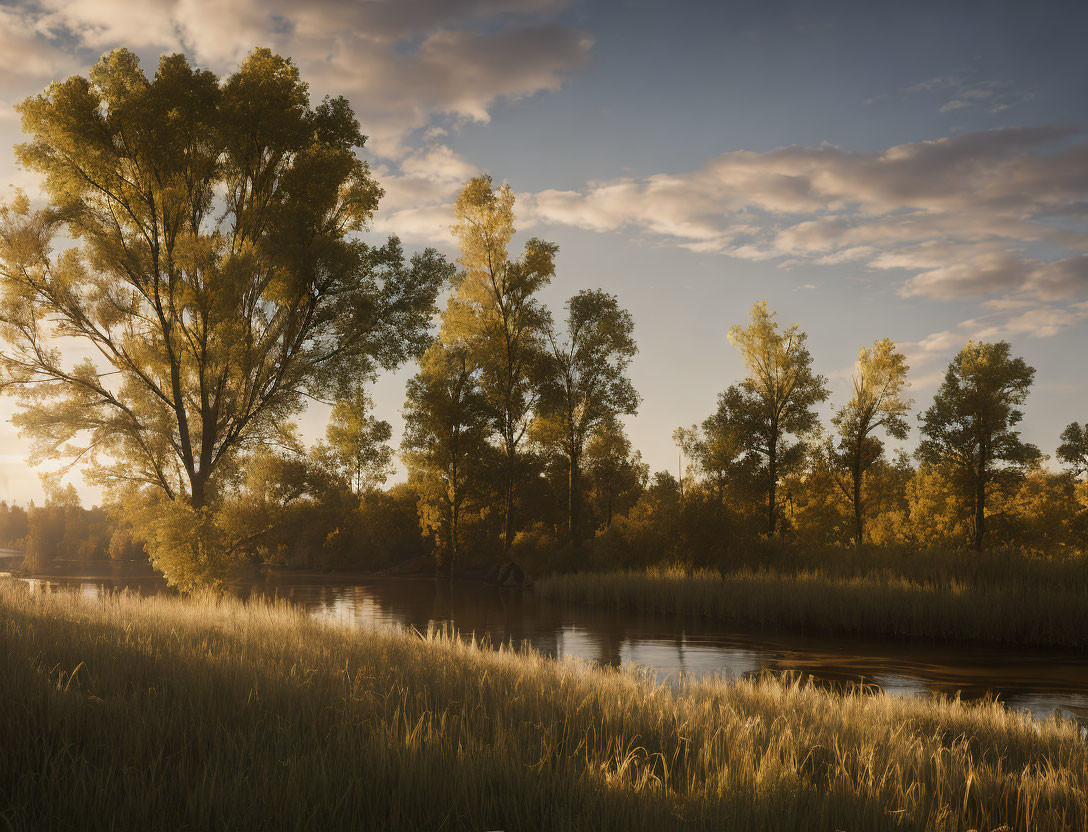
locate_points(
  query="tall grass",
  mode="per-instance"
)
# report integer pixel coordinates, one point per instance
(1002, 597)
(164, 713)
(813, 602)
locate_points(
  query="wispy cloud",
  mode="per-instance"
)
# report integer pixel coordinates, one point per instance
(960, 90)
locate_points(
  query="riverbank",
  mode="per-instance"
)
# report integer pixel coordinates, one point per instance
(162, 712)
(1013, 612)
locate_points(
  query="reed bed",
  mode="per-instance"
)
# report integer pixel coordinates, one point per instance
(1042, 614)
(168, 713)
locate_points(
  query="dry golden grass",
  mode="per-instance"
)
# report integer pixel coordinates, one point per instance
(165, 713)
(1041, 613)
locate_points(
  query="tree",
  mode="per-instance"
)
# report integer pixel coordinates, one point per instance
(880, 377)
(496, 313)
(686, 441)
(713, 447)
(776, 400)
(584, 382)
(1073, 450)
(216, 279)
(617, 475)
(357, 441)
(970, 424)
(445, 439)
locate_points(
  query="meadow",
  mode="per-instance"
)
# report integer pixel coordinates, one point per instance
(1005, 596)
(210, 713)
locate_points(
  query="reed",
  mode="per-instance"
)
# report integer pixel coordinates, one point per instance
(211, 713)
(878, 604)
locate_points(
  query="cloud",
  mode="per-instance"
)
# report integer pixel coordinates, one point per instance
(974, 215)
(404, 64)
(419, 194)
(27, 56)
(962, 91)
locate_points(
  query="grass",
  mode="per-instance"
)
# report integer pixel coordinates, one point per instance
(1003, 597)
(167, 713)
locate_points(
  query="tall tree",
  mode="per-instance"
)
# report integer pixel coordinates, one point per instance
(1073, 450)
(215, 280)
(776, 400)
(970, 424)
(496, 312)
(584, 382)
(445, 439)
(358, 440)
(880, 377)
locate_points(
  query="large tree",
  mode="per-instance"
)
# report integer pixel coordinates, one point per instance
(445, 440)
(496, 312)
(584, 383)
(880, 377)
(776, 400)
(215, 281)
(970, 425)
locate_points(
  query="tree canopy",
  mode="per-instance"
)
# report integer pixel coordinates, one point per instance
(215, 283)
(776, 400)
(584, 382)
(970, 425)
(496, 313)
(880, 377)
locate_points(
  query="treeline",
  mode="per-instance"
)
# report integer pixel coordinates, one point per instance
(515, 447)
(515, 450)
(62, 529)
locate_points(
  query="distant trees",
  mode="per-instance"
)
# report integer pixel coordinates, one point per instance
(776, 400)
(879, 379)
(215, 280)
(584, 383)
(13, 524)
(1073, 450)
(970, 425)
(357, 442)
(617, 474)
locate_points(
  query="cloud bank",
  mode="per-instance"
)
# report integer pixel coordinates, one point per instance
(404, 63)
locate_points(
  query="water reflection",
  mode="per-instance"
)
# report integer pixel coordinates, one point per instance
(1041, 682)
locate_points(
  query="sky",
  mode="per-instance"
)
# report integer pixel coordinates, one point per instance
(917, 171)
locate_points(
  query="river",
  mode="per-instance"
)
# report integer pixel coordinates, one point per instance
(1039, 681)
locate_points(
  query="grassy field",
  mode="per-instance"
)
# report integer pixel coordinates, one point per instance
(1001, 597)
(165, 713)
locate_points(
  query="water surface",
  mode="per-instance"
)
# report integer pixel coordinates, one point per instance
(1037, 680)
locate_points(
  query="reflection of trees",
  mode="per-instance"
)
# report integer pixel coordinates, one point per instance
(609, 639)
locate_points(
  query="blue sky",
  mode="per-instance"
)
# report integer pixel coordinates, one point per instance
(917, 171)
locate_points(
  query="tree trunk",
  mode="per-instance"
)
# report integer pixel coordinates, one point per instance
(572, 498)
(980, 506)
(453, 536)
(196, 485)
(771, 488)
(772, 472)
(859, 523)
(508, 509)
